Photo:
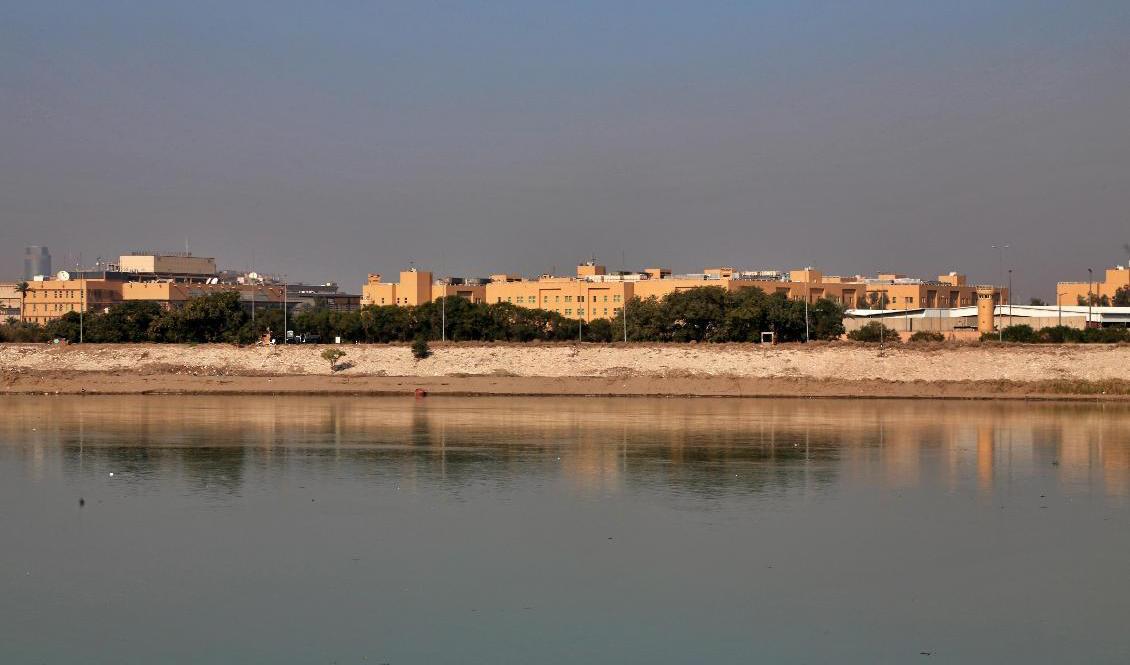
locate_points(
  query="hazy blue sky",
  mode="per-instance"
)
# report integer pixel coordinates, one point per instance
(329, 140)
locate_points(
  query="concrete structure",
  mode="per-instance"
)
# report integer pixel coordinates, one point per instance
(1074, 293)
(988, 316)
(50, 299)
(37, 261)
(171, 266)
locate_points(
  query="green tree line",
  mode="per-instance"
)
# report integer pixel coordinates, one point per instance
(705, 314)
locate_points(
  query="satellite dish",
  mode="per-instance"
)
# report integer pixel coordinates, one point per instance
(63, 275)
(253, 275)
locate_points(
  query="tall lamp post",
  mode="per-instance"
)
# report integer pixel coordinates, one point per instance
(806, 278)
(1090, 297)
(1010, 296)
(1000, 280)
(1059, 306)
(284, 309)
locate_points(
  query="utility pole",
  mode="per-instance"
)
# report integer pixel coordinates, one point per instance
(284, 309)
(1059, 306)
(443, 315)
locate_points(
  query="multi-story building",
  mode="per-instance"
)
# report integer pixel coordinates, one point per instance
(49, 299)
(417, 287)
(10, 300)
(1072, 293)
(37, 261)
(173, 295)
(181, 266)
(592, 294)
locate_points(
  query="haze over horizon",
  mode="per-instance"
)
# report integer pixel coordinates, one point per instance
(327, 142)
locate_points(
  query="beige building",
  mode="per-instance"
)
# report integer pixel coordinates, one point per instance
(1069, 293)
(50, 299)
(417, 287)
(173, 295)
(168, 265)
(10, 300)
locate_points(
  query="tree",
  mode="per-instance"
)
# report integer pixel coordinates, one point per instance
(874, 332)
(1036, 302)
(65, 327)
(1121, 297)
(420, 348)
(333, 355)
(827, 320)
(23, 288)
(124, 322)
(217, 317)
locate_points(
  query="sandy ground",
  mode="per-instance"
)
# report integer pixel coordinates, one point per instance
(838, 370)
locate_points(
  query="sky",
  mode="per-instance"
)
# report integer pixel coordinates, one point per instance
(331, 140)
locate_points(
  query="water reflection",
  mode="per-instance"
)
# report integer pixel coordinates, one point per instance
(599, 446)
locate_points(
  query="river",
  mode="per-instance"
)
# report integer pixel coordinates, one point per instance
(545, 530)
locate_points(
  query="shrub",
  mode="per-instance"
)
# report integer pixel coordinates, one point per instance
(333, 355)
(1018, 334)
(420, 348)
(1060, 334)
(927, 336)
(874, 332)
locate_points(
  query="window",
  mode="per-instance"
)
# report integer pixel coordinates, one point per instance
(569, 299)
(580, 298)
(616, 298)
(605, 298)
(568, 311)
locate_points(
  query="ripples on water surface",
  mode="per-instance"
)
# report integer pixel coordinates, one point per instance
(359, 530)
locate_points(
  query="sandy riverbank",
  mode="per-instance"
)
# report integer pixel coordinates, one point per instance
(832, 370)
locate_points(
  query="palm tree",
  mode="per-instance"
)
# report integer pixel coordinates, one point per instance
(23, 288)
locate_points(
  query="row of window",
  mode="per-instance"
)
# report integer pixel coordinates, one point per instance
(533, 300)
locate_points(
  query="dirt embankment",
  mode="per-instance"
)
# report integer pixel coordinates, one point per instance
(838, 370)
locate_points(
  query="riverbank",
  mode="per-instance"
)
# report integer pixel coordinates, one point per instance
(818, 370)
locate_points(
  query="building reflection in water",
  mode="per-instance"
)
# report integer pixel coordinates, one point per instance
(596, 446)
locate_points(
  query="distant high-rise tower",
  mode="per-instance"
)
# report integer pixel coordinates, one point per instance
(37, 261)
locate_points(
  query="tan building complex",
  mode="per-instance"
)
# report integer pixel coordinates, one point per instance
(50, 299)
(595, 294)
(1070, 293)
(417, 287)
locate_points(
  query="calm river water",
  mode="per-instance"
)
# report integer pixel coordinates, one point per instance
(537, 530)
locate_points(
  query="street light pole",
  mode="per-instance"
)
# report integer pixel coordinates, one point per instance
(1010, 296)
(1000, 280)
(1059, 305)
(443, 316)
(806, 339)
(284, 309)
(1090, 298)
